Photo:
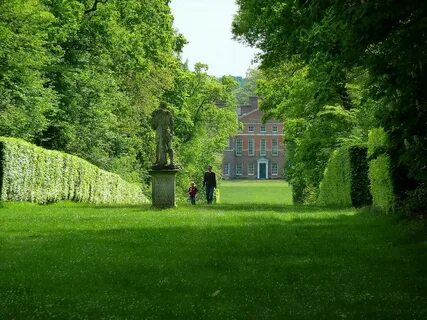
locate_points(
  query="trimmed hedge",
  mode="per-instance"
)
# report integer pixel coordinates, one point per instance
(31, 173)
(381, 184)
(335, 187)
(345, 180)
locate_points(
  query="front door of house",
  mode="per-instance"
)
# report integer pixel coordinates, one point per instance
(263, 171)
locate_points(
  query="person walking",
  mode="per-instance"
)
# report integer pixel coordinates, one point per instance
(209, 182)
(192, 192)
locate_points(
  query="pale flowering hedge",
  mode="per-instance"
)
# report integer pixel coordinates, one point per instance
(31, 173)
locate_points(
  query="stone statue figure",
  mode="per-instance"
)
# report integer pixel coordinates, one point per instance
(162, 122)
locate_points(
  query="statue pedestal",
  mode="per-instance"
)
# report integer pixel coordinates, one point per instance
(163, 187)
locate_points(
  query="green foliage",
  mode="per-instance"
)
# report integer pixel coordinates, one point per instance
(316, 120)
(247, 87)
(381, 184)
(335, 188)
(30, 173)
(345, 181)
(377, 142)
(205, 117)
(84, 78)
(368, 55)
(26, 97)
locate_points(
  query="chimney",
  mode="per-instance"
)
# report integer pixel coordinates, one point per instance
(253, 101)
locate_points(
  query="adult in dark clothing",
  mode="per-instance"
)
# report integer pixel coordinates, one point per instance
(209, 182)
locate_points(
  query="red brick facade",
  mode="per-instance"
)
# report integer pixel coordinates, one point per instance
(257, 152)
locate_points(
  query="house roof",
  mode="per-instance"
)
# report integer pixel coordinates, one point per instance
(255, 115)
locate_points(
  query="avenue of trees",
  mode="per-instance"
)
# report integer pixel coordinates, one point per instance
(334, 70)
(83, 76)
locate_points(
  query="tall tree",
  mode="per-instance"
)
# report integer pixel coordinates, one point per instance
(205, 117)
(26, 98)
(386, 39)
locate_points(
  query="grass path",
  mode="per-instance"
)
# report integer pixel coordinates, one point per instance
(256, 192)
(227, 261)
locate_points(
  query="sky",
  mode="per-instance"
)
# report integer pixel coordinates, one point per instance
(206, 24)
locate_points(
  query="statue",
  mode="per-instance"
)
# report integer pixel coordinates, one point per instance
(162, 122)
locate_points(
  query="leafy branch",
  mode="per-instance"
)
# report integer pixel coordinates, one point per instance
(95, 6)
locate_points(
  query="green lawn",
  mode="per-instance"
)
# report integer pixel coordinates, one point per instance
(258, 191)
(227, 261)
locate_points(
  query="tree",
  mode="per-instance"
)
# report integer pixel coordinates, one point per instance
(26, 98)
(205, 117)
(247, 87)
(384, 40)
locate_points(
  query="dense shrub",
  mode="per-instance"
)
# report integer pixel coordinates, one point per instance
(298, 187)
(31, 173)
(381, 184)
(377, 142)
(335, 187)
(345, 181)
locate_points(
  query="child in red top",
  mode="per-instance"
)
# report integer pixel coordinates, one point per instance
(192, 191)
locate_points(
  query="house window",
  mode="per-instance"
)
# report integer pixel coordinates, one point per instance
(226, 169)
(274, 169)
(274, 129)
(251, 169)
(274, 147)
(263, 129)
(238, 169)
(251, 147)
(238, 146)
(262, 147)
(230, 144)
(251, 128)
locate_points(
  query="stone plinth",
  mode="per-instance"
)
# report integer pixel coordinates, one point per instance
(163, 187)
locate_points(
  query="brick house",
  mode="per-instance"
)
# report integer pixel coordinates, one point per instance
(257, 151)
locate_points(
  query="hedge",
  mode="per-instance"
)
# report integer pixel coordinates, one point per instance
(345, 180)
(335, 187)
(381, 184)
(31, 173)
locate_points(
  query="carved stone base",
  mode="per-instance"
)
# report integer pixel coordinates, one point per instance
(163, 187)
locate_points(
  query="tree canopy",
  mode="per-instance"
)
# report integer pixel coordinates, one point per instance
(366, 57)
(83, 76)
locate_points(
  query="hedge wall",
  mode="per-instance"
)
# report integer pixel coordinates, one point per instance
(31, 173)
(335, 187)
(345, 181)
(379, 171)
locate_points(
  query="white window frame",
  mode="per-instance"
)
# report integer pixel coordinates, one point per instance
(262, 147)
(227, 169)
(238, 169)
(263, 129)
(251, 128)
(251, 169)
(239, 146)
(275, 129)
(274, 169)
(251, 147)
(274, 147)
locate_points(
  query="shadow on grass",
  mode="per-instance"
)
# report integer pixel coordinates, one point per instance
(260, 207)
(263, 268)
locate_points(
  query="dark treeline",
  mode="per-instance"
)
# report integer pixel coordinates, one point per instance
(83, 76)
(333, 70)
